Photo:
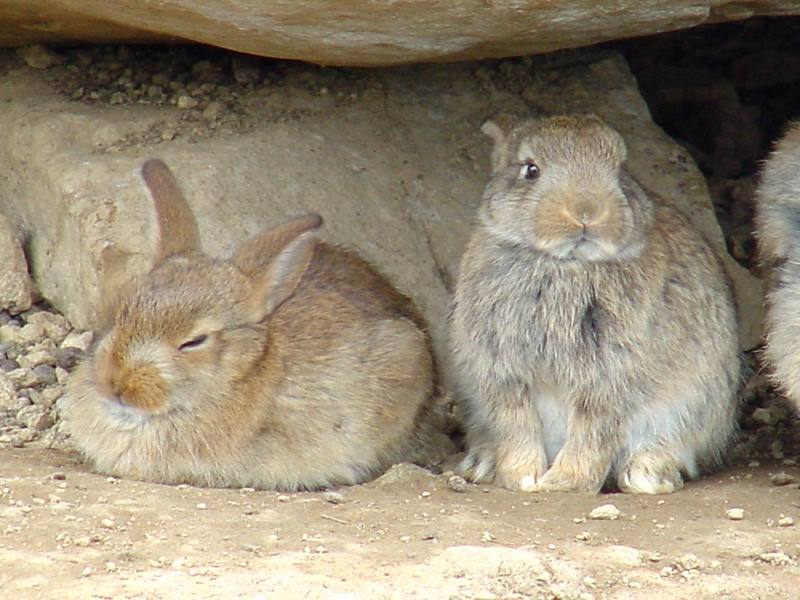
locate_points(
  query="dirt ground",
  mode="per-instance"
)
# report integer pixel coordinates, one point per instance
(68, 533)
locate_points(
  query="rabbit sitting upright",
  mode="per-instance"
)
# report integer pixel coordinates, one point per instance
(778, 231)
(593, 330)
(292, 365)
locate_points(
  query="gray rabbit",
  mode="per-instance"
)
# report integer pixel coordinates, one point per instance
(593, 330)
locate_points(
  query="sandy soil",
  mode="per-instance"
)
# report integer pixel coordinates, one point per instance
(68, 533)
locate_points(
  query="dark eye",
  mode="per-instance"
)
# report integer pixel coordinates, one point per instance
(529, 171)
(195, 342)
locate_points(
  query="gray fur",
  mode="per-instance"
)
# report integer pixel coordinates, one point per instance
(612, 355)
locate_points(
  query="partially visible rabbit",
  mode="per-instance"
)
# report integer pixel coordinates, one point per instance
(292, 365)
(778, 232)
(593, 330)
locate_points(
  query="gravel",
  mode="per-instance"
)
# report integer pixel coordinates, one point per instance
(33, 373)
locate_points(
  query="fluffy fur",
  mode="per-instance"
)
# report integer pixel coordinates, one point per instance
(293, 365)
(593, 331)
(778, 231)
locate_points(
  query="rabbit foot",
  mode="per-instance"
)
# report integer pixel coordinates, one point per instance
(563, 480)
(650, 474)
(520, 473)
(477, 466)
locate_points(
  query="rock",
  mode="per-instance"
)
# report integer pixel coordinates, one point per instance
(605, 512)
(404, 473)
(735, 514)
(54, 325)
(67, 358)
(8, 393)
(368, 33)
(80, 341)
(36, 358)
(45, 374)
(38, 56)
(782, 478)
(409, 172)
(15, 284)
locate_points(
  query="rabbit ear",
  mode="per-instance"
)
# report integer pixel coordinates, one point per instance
(177, 227)
(498, 128)
(276, 260)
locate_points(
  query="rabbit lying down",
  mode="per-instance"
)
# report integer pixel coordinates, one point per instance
(593, 329)
(292, 365)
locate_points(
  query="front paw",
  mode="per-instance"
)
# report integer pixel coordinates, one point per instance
(521, 472)
(477, 466)
(567, 480)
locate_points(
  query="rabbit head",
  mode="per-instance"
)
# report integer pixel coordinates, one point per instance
(193, 322)
(558, 187)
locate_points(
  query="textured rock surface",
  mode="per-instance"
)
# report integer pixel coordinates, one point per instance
(392, 159)
(362, 32)
(15, 284)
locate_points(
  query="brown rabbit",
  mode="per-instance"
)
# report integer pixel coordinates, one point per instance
(292, 365)
(778, 231)
(593, 330)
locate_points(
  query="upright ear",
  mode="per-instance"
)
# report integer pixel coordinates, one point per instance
(498, 128)
(276, 260)
(177, 227)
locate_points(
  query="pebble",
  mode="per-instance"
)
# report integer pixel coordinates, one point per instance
(38, 56)
(735, 514)
(45, 374)
(605, 512)
(68, 358)
(785, 522)
(457, 483)
(782, 478)
(36, 358)
(79, 340)
(333, 497)
(186, 102)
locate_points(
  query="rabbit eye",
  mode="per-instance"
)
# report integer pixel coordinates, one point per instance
(193, 343)
(529, 171)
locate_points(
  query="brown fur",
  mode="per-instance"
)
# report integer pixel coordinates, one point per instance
(294, 365)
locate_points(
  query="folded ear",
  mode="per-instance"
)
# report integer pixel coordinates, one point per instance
(177, 227)
(276, 260)
(498, 128)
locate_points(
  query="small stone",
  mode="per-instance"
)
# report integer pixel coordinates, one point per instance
(8, 364)
(605, 512)
(8, 393)
(213, 110)
(735, 514)
(333, 497)
(9, 333)
(42, 422)
(186, 102)
(246, 69)
(82, 542)
(45, 374)
(487, 536)
(38, 56)
(55, 326)
(107, 524)
(689, 562)
(86, 572)
(781, 478)
(21, 377)
(81, 340)
(785, 522)
(202, 506)
(283, 498)
(31, 332)
(457, 483)
(58, 476)
(68, 358)
(36, 358)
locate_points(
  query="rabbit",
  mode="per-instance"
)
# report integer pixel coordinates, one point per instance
(777, 220)
(593, 330)
(292, 365)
